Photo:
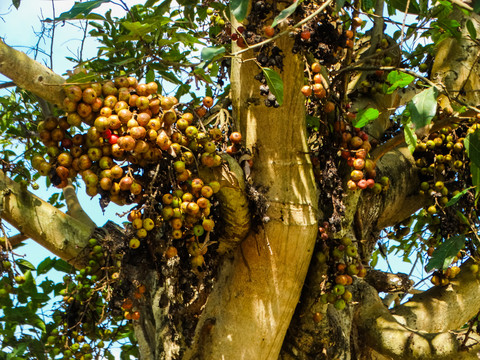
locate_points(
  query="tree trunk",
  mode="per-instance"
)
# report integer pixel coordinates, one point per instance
(258, 286)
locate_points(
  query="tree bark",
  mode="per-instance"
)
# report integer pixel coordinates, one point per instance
(31, 75)
(58, 232)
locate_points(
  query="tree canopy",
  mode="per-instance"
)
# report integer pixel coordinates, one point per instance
(265, 155)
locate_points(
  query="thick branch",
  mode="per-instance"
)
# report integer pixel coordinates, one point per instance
(74, 208)
(381, 331)
(31, 75)
(443, 308)
(63, 235)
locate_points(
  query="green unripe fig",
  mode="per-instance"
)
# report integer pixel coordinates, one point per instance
(340, 304)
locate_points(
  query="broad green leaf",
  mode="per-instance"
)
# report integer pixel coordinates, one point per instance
(239, 8)
(401, 5)
(45, 265)
(462, 218)
(208, 53)
(16, 3)
(19, 349)
(40, 297)
(364, 117)
(186, 39)
(150, 76)
(275, 83)
(472, 146)
(367, 5)
(423, 107)
(398, 79)
(339, 5)
(471, 29)
(285, 13)
(151, 3)
(139, 29)
(38, 323)
(81, 8)
(410, 136)
(166, 75)
(25, 265)
(444, 254)
(62, 265)
(94, 16)
(457, 197)
(83, 78)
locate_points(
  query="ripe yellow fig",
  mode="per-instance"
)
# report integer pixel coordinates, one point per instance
(148, 224)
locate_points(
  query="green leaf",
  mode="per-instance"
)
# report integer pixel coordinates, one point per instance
(410, 136)
(398, 79)
(285, 13)
(339, 5)
(151, 3)
(139, 29)
(40, 297)
(423, 107)
(16, 3)
(25, 265)
(313, 121)
(150, 76)
(364, 117)
(239, 8)
(444, 254)
(208, 53)
(401, 5)
(367, 5)
(79, 9)
(472, 146)
(83, 78)
(275, 83)
(457, 197)
(45, 265)
(471, 29)
(62, 265)
(462, 218)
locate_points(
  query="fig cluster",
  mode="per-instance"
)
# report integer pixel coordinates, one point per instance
(440, 157)
(86, 295)
(355, 146)
(343, 262)
(130, 129)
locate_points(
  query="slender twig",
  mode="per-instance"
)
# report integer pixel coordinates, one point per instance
(82, 44)
(125, 7)
(470, 327)
(402, 32)
(307, 19)
(53, 34)
(7, 84)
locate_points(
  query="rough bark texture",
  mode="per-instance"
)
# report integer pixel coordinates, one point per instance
(379, 329)
(62, 234)
(31, 75)
(456, 302)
